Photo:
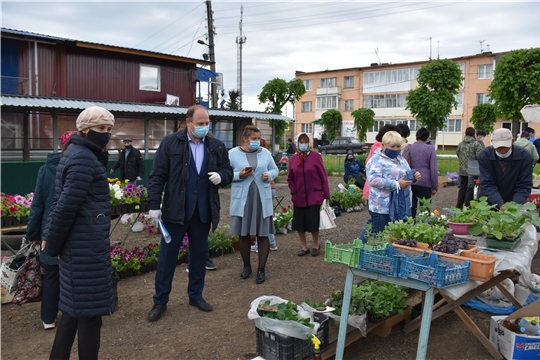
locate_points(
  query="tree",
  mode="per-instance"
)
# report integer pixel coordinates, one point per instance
(276, 94)
(438, 83)
(484, 117)
(363, 120)
(516, 83)
(234, 100)
(332, 121)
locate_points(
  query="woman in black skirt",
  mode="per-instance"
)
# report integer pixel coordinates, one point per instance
(308, 183)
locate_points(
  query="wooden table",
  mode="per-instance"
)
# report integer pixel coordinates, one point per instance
(424, 322)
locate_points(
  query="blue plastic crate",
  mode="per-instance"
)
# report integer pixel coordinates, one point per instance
(434, 270)
(385, 261)
(382, 261)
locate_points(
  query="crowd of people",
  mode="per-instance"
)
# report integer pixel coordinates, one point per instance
(70, 214)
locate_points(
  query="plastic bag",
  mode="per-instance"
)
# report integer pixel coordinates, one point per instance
(357, 321)
(283, 327)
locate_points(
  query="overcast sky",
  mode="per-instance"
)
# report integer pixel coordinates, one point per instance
(283, 37)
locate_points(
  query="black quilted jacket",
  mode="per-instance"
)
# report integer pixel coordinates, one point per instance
(78, 230)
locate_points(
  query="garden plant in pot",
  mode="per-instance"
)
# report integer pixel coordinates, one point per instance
(219, 243)
(460, 220)
(503, 228)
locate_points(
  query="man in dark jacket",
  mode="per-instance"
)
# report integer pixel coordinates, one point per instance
(467, 150)
(130, 162)
(505, 170)
(192, 165)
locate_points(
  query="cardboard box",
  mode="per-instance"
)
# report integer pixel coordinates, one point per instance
(443, 181)
(513, 345)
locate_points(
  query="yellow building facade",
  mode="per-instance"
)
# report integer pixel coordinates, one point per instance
(384, 88)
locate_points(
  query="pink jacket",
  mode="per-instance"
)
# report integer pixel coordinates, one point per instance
(308, 181)
(375, 146)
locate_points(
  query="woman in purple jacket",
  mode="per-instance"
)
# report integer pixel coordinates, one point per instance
(423, 159)
(308, 183)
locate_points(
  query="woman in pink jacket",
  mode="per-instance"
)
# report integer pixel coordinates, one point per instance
(308, 183)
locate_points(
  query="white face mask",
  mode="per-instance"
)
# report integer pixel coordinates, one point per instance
(504, 156)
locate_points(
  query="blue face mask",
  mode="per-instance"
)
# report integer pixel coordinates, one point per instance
(392, 154)
(200, 131)
(303, 147)
(254, 144)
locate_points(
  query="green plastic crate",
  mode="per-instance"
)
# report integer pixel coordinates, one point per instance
(346, 254)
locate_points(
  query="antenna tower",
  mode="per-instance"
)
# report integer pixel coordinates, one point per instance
(481, 49)
(377, 53)
(240, 40)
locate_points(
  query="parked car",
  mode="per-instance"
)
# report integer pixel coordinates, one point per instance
(340, 145)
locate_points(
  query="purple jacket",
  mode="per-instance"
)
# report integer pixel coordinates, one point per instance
(424, 160)
(308, 182)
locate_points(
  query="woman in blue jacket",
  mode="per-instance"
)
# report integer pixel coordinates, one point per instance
(353, 169)
(77, 230)
(251, 198)
(43, 197)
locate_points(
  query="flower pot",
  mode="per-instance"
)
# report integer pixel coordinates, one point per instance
(3, 218)
(124, 209)
(252, 240)
(154, 266)
(131, 208)
(459, 228)
(122, 274)
(24, 220)
(16, 222)
(376, 320)
(506, 244)
(236, 245)
(8, 221)
(144, 206)
(129, 273)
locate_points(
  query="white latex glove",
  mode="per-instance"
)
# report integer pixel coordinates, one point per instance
(139, 178)
(214, 178)
(155, 214)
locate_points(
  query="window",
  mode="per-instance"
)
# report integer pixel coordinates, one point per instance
(149, 78)
(306, 106)
(349, 105)
(327, 102)
(459, 98)
(390, 76)
(508, 125)
(485, 71)
(328, 83)
(454, 125)
(385, 101)
(380, 123)
(308, 84)
(482, 99)
(349, 81)
(307, 128)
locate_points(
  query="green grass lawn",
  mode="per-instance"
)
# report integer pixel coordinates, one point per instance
(335, 163)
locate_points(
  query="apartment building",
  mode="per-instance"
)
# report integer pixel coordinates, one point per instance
(384, 88)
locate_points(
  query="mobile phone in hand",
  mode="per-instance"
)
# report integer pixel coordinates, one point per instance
(248, 168)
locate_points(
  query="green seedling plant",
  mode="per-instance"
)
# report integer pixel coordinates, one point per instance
(477, 211)
(282, 311)
(509, 222)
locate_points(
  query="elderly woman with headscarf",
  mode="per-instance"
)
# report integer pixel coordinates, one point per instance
(308, 183)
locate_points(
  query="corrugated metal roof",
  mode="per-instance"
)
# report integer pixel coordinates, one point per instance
(37, 103)
(57, 38)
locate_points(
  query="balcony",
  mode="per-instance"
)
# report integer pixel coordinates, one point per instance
(329, 91)
(14, 85)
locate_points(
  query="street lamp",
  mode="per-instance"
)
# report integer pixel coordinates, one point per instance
(213, 68)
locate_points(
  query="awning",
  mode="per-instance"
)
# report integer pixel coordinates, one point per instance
(205, 74)
(19, 103)
(316, 122)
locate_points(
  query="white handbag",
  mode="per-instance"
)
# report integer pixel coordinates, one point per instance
(10, 276)
(327, 217)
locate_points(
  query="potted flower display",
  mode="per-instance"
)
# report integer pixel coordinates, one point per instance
(219, 243)
(15, 209)
(126, 197)
(283, 219)
(182, 256)
(459, 220)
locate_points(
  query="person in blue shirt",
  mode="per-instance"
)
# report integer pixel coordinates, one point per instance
(354, 169)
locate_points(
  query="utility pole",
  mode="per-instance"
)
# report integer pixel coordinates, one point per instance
(210, 19)
(240, 40)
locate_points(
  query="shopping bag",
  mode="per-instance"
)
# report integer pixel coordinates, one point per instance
(30, 279)
(326, 220)
(11, 267)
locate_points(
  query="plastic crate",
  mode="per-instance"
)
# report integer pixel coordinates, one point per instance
(482, 266)
(272, 345)
(346, 254)
(437, 270)
(382, 261)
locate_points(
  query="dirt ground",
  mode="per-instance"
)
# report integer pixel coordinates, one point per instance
(184, 332)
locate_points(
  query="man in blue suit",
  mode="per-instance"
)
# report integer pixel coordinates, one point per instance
(192, 165)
